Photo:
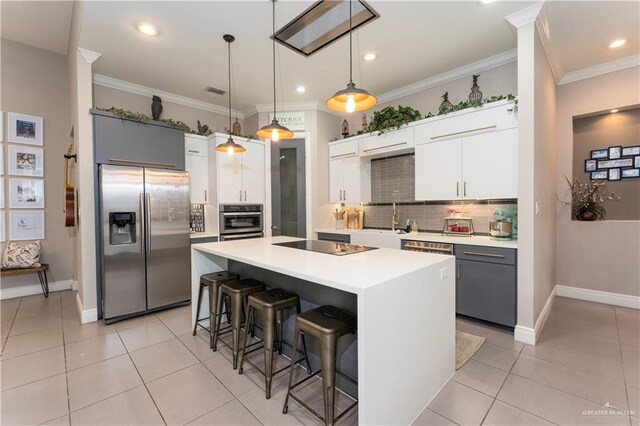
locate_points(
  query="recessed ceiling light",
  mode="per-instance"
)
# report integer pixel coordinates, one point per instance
(147, 28)
(617, 43)
(613, 111)
(370, 56)
(301, 89)
(483, 2)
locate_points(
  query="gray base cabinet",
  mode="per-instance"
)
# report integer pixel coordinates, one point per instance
(486, 284)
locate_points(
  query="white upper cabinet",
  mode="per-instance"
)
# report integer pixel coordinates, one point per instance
(241, 177)
(470, 156)
(197, 164)
(395, 141)
(345, 173)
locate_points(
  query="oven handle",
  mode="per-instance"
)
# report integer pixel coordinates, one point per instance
(239, 236)
(241, 214)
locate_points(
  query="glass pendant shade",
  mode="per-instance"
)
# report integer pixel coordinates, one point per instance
(352, 99)
(230, 147)
(274, 131)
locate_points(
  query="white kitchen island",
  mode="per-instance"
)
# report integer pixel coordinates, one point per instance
(405, 309)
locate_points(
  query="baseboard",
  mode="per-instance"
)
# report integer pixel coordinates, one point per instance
(616, 299)
(530, 335)
(31, 289)
(86, 315)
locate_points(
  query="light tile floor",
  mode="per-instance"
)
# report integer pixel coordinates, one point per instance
(151, 370)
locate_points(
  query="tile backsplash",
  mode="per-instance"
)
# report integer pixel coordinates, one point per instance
(392, 179)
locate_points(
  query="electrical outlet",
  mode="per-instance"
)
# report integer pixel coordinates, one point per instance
(537, 207)
(444, 273)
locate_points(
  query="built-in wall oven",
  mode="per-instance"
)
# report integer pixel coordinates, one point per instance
(241, 221)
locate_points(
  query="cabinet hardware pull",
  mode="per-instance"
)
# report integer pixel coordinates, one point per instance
(464, 131)
(120, 160)
(245, 195)
(205, 195)
(147, 212)
(343, 155)
(473, 253)
(458, 271)
(194, 151)
(465, 188)
(386, 146)
(240, 192)
(457, 188)
(142, 228)
(344, 195)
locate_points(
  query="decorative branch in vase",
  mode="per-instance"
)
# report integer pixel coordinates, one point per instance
(587, 200)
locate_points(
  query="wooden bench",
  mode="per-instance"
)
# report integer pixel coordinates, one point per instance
(40, 270)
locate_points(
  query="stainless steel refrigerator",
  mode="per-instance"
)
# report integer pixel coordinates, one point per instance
(144, 217)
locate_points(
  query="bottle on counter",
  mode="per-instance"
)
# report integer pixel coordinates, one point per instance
(414, 226)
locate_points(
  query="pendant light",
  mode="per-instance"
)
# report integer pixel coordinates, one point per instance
(351, 99)
(274, 131)
(230, 147)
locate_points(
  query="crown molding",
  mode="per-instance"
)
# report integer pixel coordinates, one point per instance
(89, 55)
(455, 74)
(542, 24)
(525, 16)
(607, 67)
(137, 89)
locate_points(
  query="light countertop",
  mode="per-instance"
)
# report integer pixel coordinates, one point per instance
(352, 273)
(206, 234)
(475, 240)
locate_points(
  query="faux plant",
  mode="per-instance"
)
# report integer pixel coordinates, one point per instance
(476, 104)
(123, 113)
(587, 199)
(390, 118)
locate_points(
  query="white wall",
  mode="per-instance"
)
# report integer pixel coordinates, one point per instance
(600, 255)
(35, 82)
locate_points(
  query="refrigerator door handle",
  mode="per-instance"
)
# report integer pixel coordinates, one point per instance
(143, 224)
(147, 223)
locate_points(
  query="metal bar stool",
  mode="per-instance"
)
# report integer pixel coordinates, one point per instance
(325, 323)
(213, 282)
(237, 292)
(271, 303)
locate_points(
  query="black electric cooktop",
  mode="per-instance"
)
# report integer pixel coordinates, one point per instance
(328, 247)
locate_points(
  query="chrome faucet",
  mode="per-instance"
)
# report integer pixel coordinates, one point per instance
(394, 217)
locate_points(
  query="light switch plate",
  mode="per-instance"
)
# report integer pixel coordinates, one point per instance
(444, 273)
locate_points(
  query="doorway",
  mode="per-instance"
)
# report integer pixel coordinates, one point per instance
(288, 183)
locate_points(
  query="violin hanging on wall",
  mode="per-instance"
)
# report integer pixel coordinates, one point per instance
(69, 189)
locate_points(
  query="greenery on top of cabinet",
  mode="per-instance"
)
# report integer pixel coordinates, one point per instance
(126, 114)
(476, 104)
(390, 117)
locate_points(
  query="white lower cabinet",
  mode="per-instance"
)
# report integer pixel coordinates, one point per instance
(197, 164)
(480, 166)
(241, 177)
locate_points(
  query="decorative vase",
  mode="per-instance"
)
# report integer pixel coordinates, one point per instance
(345, 128)
(587, 216)
(156, 107)
(476, 94)
(445, 102)
(237, 130)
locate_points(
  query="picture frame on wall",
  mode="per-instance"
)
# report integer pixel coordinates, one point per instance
(599, 153)
(26, 193)
(636, 161)
(630, 151)
(1, 193)
(614, 174)
(1, 126)
(26, 225)
(610, 164)
(26, 161)
(2, 160)
(615, 152)
(600, 175)
(25, 129)
(590, 165)
(630, 173)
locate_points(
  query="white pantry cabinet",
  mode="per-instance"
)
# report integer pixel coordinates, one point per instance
(344, 172)
(197, 164)
(241, 177)
(478, 166)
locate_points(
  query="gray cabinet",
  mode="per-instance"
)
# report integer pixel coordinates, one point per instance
(337, 238)
(486, 284)
(134, 143)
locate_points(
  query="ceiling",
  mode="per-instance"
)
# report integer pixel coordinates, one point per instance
(414, 40)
